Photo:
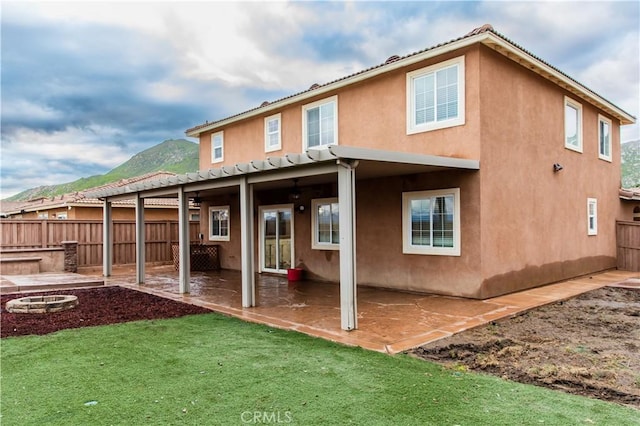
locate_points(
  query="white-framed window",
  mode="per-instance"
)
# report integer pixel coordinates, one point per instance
(325, 224)
(194, 217)
(219, 223)
(217, 147)
(604, 138)
(44, 215)
(592, 216)
(572, 124)
(320, 123)
(272, 133)
(435, 96)
(62, 216)
(431, 222)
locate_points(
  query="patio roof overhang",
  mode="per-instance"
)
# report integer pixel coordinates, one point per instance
(335, 163)
(312, 163)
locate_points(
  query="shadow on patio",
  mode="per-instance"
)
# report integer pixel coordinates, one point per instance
(388, 321)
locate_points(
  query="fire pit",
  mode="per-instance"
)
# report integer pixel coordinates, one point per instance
(41, 304)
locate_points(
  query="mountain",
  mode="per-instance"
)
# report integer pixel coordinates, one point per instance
(631, 164)
(174, 155)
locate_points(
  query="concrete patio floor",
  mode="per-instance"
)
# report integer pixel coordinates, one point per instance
(388, 321)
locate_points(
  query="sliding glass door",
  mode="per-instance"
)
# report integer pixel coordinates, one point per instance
(276, 238)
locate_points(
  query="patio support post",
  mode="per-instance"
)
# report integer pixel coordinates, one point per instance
(347, 217)
(107, 239)
(246, 243)
(183, 242)
(140, 239)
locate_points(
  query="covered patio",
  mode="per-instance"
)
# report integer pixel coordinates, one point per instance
(390, 321)
(335, 165)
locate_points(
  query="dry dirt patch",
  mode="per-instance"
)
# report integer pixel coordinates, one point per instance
(588, 345)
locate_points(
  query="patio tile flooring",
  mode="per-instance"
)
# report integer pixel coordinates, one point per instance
(388, 321)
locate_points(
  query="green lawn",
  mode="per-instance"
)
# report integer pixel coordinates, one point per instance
(209, 369)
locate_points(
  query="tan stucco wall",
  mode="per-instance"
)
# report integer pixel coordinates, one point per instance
(627, 210)
(370, 115)
(522, 224)
(118, 213)
(534, 221)
(51, 259)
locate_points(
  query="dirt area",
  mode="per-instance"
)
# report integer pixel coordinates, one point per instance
(97, 306)
(588, 345)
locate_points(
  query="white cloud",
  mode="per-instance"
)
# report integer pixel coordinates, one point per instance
(89, 145)
(23, 108)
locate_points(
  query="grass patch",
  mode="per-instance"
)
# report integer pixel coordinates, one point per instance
(210, 369)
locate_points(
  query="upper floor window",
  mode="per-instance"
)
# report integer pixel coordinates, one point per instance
(219, 223)
(217, 147)
(326, 224)
(592, 216)
(572, 124)
(604, 138)
(431, 222)
(435, 96)
(320, 123)
(272, 133)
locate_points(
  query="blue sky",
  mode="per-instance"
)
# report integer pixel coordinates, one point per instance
(86, 85)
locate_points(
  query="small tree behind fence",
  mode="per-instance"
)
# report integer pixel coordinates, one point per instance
(159, 235)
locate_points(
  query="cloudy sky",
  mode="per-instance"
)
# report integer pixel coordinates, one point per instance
(86, 85)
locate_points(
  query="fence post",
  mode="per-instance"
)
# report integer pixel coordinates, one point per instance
(167, 230)
(44, 234)
(70, 256)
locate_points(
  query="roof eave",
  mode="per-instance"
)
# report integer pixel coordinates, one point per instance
(487, 38)
(546, 71)
(328, 88)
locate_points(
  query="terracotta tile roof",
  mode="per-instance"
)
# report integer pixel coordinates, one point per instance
(630, 194)
(80, 197)
(487, 28)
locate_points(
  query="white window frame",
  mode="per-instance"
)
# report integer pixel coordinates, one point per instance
(62, 216)
(215, 159)
(315, 243)
(407, 246)
(570, 103)
(267, 134)
(317, 104)
(592, 228)
(219, 237)
(412, 127)
(601, 155)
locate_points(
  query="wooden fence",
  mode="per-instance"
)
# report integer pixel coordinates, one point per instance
(628, 241)
(159, 235)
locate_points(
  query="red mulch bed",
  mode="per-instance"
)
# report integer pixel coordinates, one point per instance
(97, 306)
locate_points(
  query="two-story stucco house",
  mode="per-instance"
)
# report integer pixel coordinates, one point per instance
(472, 168)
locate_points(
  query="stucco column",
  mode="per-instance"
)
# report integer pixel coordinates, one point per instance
(184, 270)
(246, 244)
(347, 217)
(107, 239)
(140, 239)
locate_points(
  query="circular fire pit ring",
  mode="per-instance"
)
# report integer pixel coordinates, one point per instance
(42, 304)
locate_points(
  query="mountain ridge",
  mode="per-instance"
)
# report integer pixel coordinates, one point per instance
(172, 155)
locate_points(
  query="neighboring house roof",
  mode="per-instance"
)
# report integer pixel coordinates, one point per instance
(83, 199)
(485, 35)
(632, 194)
